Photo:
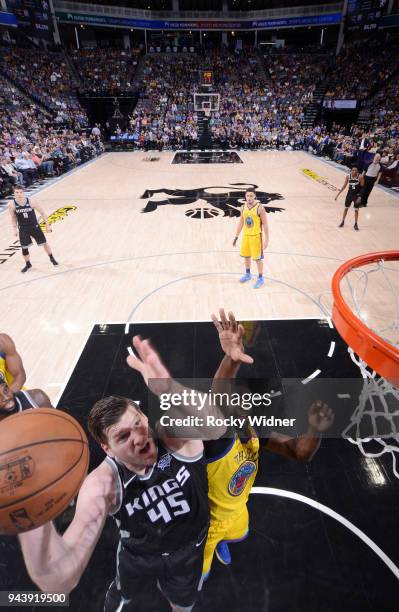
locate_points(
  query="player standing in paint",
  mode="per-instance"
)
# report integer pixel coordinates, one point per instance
(253, 220)
(355, 182)
(232, 460)
(26, 226)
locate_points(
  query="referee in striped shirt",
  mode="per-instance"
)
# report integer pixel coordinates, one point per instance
(371, 177)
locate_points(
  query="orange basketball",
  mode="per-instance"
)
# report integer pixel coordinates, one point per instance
(44, 457)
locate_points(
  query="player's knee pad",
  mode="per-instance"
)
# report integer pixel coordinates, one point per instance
(25, 251)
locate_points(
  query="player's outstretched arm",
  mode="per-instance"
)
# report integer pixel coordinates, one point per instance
(13, 362)
(43, 216)
(265, 226)
(342, 188)
(13, 216)
(320, 419)
(56, 563)
(192, 404)
(239, 228)
(231, 336)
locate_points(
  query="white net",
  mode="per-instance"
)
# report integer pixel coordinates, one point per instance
(376, 416)
(373, 294)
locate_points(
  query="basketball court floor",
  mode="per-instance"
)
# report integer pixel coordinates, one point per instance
(145, 246)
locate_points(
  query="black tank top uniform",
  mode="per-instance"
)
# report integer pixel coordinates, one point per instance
(163, 520)
(353, 190)
(28, 224)
(165, 509)
(25, 214)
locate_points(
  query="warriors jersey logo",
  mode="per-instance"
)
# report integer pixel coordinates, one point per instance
(240, 478)
(249, 221)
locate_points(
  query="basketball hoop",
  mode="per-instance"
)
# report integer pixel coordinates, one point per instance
(374, 339)
(207, 112)
(368, 321)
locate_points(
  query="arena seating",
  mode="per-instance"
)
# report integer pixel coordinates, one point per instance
(262, 102)
(32, 146)
(46, 78)
(104, 70)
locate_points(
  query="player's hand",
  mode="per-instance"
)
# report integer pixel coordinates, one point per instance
(320, 416)
(149, 364)
(235, 241)
(48, 229)
(230, 336)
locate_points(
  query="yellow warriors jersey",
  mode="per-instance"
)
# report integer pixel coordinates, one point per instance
(252, 223)
(231, 475)
(4, 373)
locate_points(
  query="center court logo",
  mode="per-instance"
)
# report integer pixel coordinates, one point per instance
(226, 202)
(57, 215)
(318, 179)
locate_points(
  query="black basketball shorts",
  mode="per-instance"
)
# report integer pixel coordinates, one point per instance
(177, 575)
(27, 232)
(352, 197)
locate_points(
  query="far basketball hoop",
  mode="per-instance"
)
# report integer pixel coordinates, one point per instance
(206, 102)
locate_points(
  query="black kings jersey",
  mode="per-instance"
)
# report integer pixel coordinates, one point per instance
(25, 214)
(354, 184)
(165, 509)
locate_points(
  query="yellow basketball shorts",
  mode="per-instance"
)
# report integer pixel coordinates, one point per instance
(251, 246)
(233, 530)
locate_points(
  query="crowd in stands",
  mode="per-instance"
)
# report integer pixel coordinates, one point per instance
(262, 102)
(258, 108)
(384, 107)
(32, 146)
(100, 70)
(256, 102)
(164, 116)
(47, 79)
(361, 66)
(252, 102)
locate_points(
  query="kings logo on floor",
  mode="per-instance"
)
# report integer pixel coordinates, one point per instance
(226, 201)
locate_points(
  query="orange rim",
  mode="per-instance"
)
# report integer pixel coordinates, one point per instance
(379, 354)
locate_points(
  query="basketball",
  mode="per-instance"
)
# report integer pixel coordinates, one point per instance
(44, 458)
